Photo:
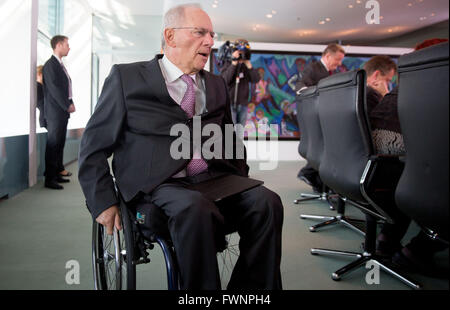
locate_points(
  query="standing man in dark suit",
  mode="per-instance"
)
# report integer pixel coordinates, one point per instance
(331, 58)
(58, 106)
(139, 106)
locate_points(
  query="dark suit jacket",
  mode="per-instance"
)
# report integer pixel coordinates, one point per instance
(385, 114)
(313, 73)
(133, 119)
(373, 99)
(56, 91)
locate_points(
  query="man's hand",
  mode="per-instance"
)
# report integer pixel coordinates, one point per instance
(110, 218)
(71, 108)
(381, 87)
(235, 55)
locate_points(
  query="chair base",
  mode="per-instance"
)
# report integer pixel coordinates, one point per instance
(319, 196)
(361, 260)
(332, 220)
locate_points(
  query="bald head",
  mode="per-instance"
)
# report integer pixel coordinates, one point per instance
(175, 17)
(188, 37)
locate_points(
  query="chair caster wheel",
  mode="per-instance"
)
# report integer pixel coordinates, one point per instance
(335, 277)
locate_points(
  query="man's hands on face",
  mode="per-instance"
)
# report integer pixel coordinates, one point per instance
(380, 86)
(110, 218)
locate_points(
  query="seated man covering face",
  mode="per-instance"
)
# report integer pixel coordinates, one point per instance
(139, 105)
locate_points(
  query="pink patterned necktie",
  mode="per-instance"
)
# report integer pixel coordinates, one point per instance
(195, 166)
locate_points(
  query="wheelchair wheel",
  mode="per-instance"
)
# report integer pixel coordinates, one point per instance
(112, 256)
(228, 257)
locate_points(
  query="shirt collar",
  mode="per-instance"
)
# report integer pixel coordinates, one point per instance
(323, 63)
(173, 72)
(60, 60)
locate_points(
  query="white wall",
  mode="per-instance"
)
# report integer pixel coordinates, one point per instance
(78, 27)
(15, 90)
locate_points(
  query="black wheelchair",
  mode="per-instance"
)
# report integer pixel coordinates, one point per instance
(115, 257)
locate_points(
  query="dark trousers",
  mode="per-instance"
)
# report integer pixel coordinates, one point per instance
(312, 175)
(54, 150)
(198, 226)
(421, 245)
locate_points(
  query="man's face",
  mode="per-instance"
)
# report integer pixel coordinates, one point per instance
(379, 81)
(334, 60)
(64, 48)
(384, 79)
(193, 45)
(388, 77)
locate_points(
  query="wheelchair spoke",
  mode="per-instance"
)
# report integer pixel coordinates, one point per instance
(228, 257)
(109, 275)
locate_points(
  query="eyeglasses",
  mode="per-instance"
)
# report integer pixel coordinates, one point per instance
(199, 32)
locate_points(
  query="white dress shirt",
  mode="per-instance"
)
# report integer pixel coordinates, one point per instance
(323, 63)
(177, 87)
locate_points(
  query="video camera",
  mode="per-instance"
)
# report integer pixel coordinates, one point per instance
(225, 52)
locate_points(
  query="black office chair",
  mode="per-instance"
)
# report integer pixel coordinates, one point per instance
(310, 146)
(422, 192)
(350, 167)
(307, 106)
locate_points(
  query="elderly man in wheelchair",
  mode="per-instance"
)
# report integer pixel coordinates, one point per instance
(196, 200)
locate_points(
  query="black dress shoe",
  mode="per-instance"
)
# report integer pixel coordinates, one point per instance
(417, 265)
(310, 183)
(68, 174)
(62, 180)
(53, 185)
(387, 249)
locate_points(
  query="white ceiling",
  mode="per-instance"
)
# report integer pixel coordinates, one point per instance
(293, 21)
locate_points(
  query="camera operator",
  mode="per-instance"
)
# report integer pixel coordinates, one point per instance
(238, 74)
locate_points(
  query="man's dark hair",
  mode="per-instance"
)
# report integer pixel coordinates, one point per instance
(333, 48)
(382, 63)
(57, 39)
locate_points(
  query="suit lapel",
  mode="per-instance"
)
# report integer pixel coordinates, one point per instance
(211, 91)
(323, 69)
(152, 74)
(57, 66)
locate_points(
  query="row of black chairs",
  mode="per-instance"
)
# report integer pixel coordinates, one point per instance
(311, 147)
(336, 139)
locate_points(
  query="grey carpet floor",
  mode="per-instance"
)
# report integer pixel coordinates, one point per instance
(43, 231)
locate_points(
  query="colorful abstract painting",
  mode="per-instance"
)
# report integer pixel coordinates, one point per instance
(272, 99)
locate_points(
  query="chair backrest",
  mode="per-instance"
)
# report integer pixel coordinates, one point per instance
(422, 192)
(302, 100)
(346, 133)
(309, 122)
